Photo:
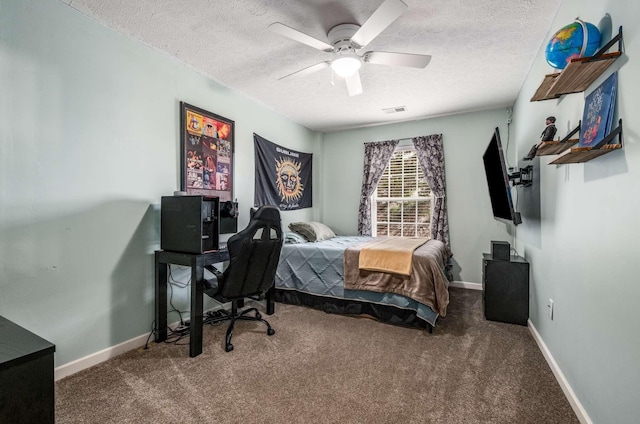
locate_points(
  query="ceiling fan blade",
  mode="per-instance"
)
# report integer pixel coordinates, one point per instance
(307, 71)
(397, 59)
(300, 37)
(384, 15)
(354, 85)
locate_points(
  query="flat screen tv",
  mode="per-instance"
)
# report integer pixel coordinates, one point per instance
(498, 181)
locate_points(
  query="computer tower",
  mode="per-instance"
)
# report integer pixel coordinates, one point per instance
(189, 224)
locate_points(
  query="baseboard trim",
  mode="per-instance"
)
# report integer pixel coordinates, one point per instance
(466, 285)
(579, 410)
(98, 357)
(111, 352)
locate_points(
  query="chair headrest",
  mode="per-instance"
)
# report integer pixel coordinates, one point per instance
(267, 213)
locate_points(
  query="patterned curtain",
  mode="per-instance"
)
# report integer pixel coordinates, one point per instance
(376, 158)
(431, 157)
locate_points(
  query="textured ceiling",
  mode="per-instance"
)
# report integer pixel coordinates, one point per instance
(481, 52)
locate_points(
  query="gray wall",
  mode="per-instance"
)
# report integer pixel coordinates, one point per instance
(581, 242)
(89, 142)
(465, 139)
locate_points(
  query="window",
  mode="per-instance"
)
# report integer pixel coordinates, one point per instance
(401, 204)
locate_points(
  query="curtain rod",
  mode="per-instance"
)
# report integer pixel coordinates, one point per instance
(399, 140)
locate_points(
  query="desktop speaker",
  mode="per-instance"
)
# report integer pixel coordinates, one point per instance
(189, 224)
(500, 250)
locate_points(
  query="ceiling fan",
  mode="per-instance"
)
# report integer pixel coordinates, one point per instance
(347, 40)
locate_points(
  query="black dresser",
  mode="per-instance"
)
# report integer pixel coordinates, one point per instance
(26, 376)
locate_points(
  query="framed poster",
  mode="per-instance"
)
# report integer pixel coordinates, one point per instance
(206, 159)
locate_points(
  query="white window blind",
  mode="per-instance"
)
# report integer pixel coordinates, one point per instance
(401, 203)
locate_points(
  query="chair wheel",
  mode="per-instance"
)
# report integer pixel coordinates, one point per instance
(271, 331)
(258, 315)
(228, 348)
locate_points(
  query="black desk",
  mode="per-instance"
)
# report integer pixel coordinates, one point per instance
(197, 262)
(26, 376)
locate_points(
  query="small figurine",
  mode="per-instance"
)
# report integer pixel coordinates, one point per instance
(547, 135)
(550, 131)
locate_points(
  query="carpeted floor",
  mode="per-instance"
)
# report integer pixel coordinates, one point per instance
(323, 368)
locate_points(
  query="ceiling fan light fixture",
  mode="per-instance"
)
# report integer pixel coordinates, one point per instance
(346, 64)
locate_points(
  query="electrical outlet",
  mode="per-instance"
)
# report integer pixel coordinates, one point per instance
(550, 309)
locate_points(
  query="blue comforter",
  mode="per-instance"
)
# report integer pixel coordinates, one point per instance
(317, 269)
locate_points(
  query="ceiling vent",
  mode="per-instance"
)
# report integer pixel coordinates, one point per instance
(395, 109)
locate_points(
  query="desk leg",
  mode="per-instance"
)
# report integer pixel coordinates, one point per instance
(271, 297)
(197, 289)
(161, 301)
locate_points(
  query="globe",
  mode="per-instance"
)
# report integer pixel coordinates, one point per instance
(566, 44)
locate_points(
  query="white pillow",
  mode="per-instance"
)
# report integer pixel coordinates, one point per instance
(312, 231)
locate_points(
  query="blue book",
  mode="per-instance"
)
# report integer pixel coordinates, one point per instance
(598, 112)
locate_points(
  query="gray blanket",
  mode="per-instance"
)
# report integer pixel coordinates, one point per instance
(427, 283)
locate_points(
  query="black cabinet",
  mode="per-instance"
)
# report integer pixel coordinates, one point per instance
(505, 289)
(26, 376)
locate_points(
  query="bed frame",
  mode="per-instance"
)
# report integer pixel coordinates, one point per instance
(312, 275)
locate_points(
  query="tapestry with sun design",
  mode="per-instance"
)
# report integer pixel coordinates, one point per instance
(283, 176)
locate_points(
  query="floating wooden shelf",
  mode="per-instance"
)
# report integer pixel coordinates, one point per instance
(585, 154)
(579, 73)
(547, 148)
(542, 93)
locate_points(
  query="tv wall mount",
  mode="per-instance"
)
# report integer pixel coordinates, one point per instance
(523, 176)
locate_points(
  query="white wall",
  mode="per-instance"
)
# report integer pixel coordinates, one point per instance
(582, 246)
(89, 142)
(465, 138)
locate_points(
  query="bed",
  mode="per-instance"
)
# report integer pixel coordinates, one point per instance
(312, 274)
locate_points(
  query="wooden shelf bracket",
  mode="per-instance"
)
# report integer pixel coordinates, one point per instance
(599, 54)
(612, 135)
(585, 154)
